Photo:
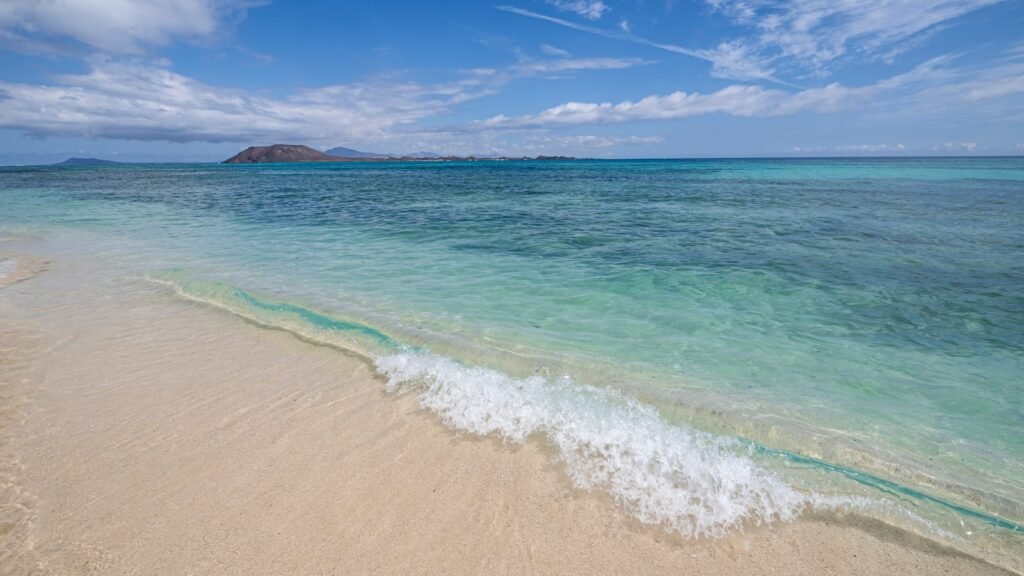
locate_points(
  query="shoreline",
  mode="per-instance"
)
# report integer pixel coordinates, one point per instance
(160, 436)
(869, 471)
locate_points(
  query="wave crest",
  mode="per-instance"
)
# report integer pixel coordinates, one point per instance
(696, 483)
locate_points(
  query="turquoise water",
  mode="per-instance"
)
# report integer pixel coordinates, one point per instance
(861, 318)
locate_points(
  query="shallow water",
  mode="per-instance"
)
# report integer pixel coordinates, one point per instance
(863, 313)
(7, 267)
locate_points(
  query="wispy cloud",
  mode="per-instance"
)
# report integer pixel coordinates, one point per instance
(723, 59)
(995, 88)
(800, 35)
(852, 149)
(576, 64)
(816, 33)
(735, 100)
(585, 141)
(989, 84)
(589, 9)
(737, 60)
(554, 51)
(112, 26)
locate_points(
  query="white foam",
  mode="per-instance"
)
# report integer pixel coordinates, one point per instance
(696, 483)
(7, 267)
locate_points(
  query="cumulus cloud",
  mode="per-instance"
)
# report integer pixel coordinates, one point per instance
(151, 102)
(735, 100)
(112, 26)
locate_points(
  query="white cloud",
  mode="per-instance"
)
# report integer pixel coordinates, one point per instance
(624, 24)
(950, 147)
(815, 33)
(588, 141)
(871, 148)
(735, 100)
(910, 92)
(554, 51)
(997, 82)
(150, 102)
(589, 9)
(576, 64)
(998, 86)
(737, 60)
(724, 58)
(112, 26)
(854, 149)
(805, 34)
(132, 100)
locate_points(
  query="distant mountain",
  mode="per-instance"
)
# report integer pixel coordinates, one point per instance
(86, 162)
(343, 152)
(280, 153)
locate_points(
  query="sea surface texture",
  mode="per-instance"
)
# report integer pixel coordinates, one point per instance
(711, 341)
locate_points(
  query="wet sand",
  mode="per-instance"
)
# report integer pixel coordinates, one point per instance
(141, 434)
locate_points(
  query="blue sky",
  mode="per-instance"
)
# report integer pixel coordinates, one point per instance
(197, 80)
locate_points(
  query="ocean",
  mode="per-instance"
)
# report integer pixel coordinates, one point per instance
(713, 342)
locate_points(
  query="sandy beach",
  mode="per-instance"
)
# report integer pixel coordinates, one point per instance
(143, 434)
(544, 287)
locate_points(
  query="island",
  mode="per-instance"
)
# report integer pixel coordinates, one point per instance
(87, 162)
(295, 153)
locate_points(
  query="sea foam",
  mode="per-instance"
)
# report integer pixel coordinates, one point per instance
(7, 267)
(696, 483)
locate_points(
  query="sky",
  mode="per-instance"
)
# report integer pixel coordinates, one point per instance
(199, 80)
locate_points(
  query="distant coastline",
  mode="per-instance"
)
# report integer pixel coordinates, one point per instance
(87, 162)
(293, 153)
(426, 157)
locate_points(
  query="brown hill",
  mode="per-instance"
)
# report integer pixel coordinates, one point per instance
(280, 153)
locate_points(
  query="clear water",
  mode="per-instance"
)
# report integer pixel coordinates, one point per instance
(864, 317)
